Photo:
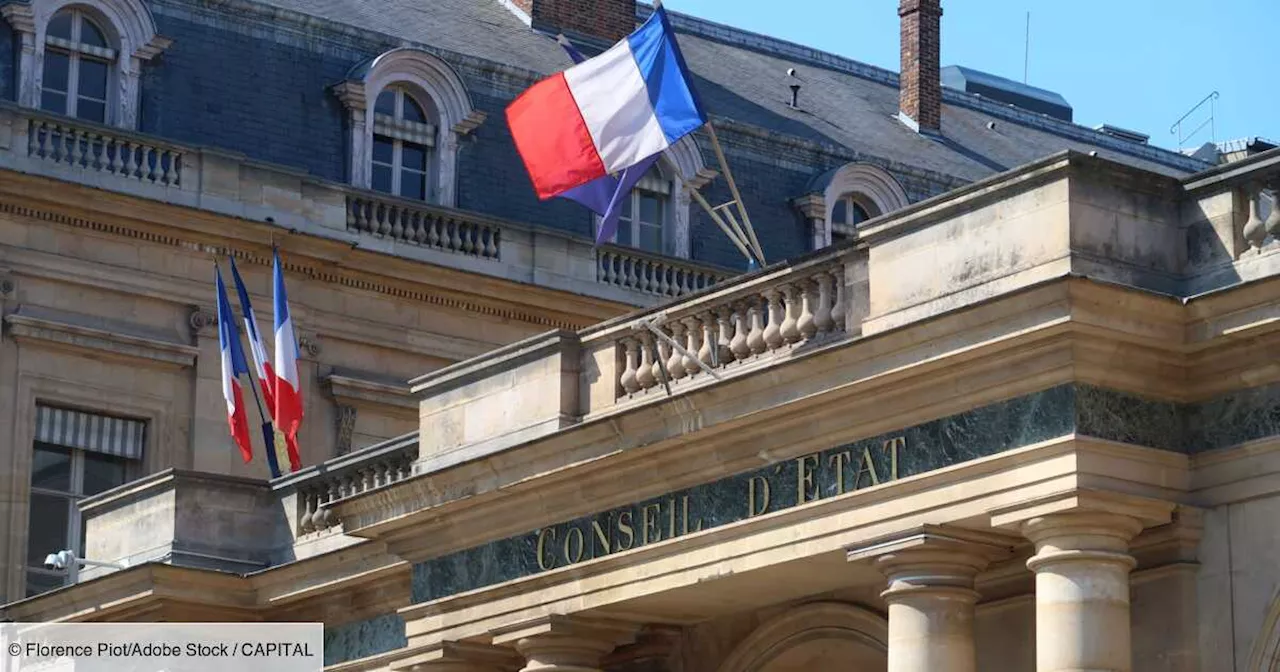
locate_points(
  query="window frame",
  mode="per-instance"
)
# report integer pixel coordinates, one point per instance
(657, 185)
(77, 51)
(74, 540)
(399, 131)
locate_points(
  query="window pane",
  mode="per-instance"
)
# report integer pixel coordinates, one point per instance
(89, 34)
(624, 232)
(650, 209)
(102, 472)
(650, 238)
(51, 468)
(413, 184)
(412, 112)
(91, 110)
(46, 527)
(383, 149)
(60, 25)
(840, 212)
(386, 103)
(53, 102)
(93, 79)
(57, 70)
(42, 583)
(382, 178)
(860, 213)
(413, 156)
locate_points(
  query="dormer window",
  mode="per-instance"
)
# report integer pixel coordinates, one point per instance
(403, 137)
(77, 66)
(643, 220)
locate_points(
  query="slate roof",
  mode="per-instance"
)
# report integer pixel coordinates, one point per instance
(742, 76)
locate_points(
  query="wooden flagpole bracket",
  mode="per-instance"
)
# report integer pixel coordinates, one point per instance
(733, 189)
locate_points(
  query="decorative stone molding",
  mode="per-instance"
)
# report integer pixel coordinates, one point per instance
(352, 391)
(129, 26)
(100, 342)
(435, 86)
(7, 286)
(459, 657)
(309, 344)
(818, 620)
(203, 322)
(345, 418)
(565, 643)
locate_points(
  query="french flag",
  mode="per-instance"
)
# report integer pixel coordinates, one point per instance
(233, 365)
(276, 455)
(288, 393)
(607, 113)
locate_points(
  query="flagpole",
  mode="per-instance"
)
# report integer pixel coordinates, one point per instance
(733, 189)
(268, 433)
(715, 216)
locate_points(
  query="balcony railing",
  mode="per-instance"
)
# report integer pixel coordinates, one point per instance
(36, 142)
(357, 472)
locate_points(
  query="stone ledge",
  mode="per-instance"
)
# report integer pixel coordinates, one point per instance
(115, 344)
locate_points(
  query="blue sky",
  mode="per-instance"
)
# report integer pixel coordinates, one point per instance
(1137, 64)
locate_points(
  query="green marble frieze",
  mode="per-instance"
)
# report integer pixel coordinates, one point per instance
(989, 430)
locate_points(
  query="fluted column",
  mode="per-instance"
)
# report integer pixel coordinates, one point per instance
(930, 596)
(1082, 566)
(566, 643)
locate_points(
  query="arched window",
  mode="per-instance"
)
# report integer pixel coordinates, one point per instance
(841, 199)
(77, 66)
(403, 138)
(84, 58)
(407, 112)
(646, 214)
(851, 210)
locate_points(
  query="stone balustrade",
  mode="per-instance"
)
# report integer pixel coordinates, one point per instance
(420, 224)
(99, 149)
(358, 472)
(653, 274)
(33, 142)
(722, 331)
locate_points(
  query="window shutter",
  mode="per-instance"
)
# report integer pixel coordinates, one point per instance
(90, 431)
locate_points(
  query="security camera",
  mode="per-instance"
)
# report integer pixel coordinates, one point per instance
(59, 560)
(51, 561)
(791, 72)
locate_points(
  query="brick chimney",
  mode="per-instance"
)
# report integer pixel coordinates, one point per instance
(605, 20)
(920, 81)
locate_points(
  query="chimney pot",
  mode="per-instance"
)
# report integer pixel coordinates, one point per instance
(920, 82)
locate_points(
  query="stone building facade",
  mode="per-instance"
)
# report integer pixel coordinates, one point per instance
(973, 357)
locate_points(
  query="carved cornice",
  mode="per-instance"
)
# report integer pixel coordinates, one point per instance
(20, 16)
(349, 390)
(98, 341)
(470, 123)
(812, 206)
(321, 272)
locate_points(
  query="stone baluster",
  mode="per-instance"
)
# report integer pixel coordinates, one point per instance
(838, 307)
(645, 375)
(709, 350)
(790, 327)
(675, 363)
(773, 329)
(366, 475)
(321, 518)
(305, 522)
(755, 337)
(117, 157)
(807, 322)
(628, 380)
(1273, 220)
(1254, 230)
(664, 352)
(724, 354)
(76, 152)
(691, 348)
(822, 317)
(738, 344)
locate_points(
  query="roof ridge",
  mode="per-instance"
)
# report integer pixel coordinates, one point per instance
(773, 46)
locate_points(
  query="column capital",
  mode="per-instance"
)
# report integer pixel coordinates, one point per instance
(557, 643)
(459, 657)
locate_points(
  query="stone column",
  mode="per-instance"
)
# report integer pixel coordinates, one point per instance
(566, 643)
(1082, 569)
(930, 596)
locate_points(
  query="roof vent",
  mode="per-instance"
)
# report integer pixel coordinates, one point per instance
(1122, 133)
(1006, 91)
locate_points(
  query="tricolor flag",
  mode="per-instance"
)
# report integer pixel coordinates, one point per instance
(607, 113)
(288, 393)
(266, 376)
(606, 196)
(233, 365)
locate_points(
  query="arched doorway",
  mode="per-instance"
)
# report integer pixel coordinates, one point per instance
(817, 636)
